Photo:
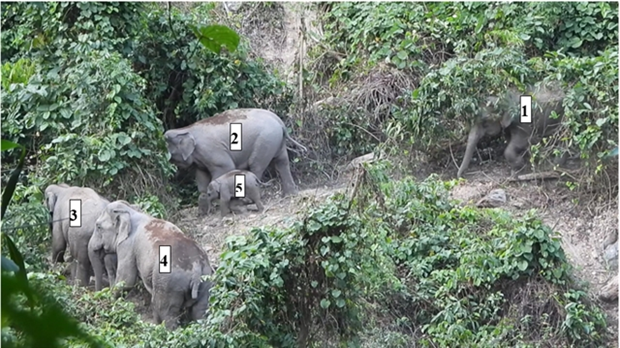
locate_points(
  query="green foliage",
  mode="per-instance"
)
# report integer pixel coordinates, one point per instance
(188, 84)
(28, 312)
(400, 263)
(278, 282)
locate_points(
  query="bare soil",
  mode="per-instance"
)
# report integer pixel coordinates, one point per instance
(581, 230)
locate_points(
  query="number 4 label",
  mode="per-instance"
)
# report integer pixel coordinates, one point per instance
(165, 252)
(235, 137)
(75, 213)
(239, 186)
(526, 109)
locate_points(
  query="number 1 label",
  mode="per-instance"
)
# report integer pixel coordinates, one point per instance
(165, 252)
(526, 109)
(239, 185)
(75, 213)
(235, 137)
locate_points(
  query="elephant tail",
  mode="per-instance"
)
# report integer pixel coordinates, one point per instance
(287, 136)
(195, 282)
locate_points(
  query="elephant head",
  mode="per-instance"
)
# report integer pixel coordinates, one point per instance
(51, 196)
(213, 192)
(181, 145)
(113, 227)
(492, 118)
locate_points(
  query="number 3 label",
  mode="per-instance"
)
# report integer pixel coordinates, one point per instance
(75, 213)
(235, 137)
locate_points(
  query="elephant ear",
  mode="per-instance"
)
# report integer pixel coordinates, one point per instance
(122, 220)
(50, 200)
(187, 144)
(506, 119)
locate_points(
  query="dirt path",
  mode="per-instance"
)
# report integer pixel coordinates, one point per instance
(582, 233)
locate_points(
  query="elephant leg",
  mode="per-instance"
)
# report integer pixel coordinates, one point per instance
(203, 179)
(204, 204)
(225, 202)
(254, 195)
(515, 152)
(83, 267)
(96, 261)
(237, 206)
(155, 308)
(283, 168)
(110, 261)
(59, 244)
(168, 308)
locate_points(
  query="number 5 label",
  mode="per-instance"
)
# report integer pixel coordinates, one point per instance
(165, 252)
(75, 213)
(239, 185)
(235, 137)
(526, 109)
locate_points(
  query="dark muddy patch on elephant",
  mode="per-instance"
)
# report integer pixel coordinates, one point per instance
(225, 117)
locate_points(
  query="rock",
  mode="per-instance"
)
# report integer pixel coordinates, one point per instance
(495, 198)
(611, 256)
(609, 292)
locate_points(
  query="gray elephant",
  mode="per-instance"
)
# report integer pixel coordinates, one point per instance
(504, 114)
(102, 262)
(76, 238)
(206, 145)
(135, 237)
(224, 189)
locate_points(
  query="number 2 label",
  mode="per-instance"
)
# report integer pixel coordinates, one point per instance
(235, 137)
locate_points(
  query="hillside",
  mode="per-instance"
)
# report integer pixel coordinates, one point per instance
(393, 251)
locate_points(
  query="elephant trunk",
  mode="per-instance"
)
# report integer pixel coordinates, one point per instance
(475, 134)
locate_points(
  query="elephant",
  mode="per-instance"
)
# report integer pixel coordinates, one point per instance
(101, 261)
(76, 238)
(135, 237)
(224, 189)
(205, 145)
(504, 114)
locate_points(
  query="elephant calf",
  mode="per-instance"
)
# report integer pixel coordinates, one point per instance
(224, 189)
(75, 238)
(135, 237)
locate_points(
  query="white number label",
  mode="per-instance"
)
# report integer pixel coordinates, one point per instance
(526, 109)
(75, 213)
(235, 137)
(165, 252)
(239, 185)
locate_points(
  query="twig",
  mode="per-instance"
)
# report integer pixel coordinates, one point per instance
(536, 176)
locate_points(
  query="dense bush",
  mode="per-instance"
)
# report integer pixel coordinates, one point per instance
(457, 54)
(189, 83)
(401, 254)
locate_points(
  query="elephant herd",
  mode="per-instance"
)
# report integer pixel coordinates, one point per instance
(118, 240)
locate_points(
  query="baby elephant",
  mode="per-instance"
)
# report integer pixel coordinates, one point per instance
(224, 189)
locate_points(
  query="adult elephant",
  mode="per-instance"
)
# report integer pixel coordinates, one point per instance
(135, 237)
(504, 113)
(103, 262)
(75, 238)
(206, 145)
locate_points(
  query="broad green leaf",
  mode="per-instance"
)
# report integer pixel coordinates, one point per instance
(325, 303)
(7, 145)
(213, 37)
